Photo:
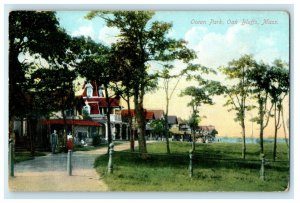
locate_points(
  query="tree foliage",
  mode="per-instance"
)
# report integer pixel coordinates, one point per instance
(144, 41)
(237, 93)
(278, 90)
(201, 94)
(40, 59)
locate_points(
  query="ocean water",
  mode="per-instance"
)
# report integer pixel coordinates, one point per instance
(248, 140)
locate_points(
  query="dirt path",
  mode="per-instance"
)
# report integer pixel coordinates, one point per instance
(49, 173)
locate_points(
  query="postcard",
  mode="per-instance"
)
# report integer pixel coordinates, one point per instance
(149, 101)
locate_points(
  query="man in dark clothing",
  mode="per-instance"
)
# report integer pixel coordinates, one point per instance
(53, 141)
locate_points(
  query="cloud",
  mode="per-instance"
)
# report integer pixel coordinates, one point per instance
(195, 34)
(216, 49)
(86, 31)
(108, 35)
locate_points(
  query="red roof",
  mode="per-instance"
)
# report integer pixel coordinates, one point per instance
(149, 115)
(125, 112)
(70, 122)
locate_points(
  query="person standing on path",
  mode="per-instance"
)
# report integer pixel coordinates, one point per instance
(53, 141)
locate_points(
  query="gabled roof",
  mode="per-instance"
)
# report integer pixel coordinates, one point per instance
(158, 113)
(172, 120)
(149, 115)
(208, 128)
(179, 120)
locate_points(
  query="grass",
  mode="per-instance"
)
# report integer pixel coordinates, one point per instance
(90, 148)
(217, 167)
(25, 156)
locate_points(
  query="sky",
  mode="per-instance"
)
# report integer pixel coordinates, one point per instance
(217, 37)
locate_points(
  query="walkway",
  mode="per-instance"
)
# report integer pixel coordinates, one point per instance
(49, 173)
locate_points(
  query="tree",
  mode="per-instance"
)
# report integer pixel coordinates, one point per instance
(122, 55)
(260, 79)
(96, 64)
(237, 94)
(279, 89)
(158, 127)
(193, 122)
(147, 42)
(38, 49)
(167, 77)
(202, 94)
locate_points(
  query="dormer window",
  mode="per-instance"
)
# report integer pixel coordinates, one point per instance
(87, 109)
(89, 90)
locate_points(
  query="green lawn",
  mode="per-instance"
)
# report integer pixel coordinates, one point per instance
(91, 148)
(217, 167)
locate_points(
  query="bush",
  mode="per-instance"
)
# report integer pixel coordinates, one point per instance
(96, 140)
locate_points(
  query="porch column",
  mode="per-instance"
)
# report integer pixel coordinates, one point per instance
(106, 131)
(121, 126)
(113, 131)
(127, 132)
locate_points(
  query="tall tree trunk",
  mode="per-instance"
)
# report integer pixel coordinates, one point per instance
(140, 117)
(284, 128)
(193, 141)
(167, 124)
(244, 139)
(109, 136)
(243, 127)
(261, 124)
(130, 124)
(11, 128)
(31, 136)
(277, 112)
(65, 128)
(275, 133)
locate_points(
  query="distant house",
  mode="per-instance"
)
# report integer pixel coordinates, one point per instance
(158, 114)
(207, 133)
(172, 121)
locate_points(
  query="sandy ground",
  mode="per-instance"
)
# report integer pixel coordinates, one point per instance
(43, 174)
(80, 181)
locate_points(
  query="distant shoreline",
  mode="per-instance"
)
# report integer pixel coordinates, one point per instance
(248, 140)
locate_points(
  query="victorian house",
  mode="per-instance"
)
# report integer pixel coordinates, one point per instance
(96, 107)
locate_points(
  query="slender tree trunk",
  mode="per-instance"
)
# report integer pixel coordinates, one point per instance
(261, 125)
(109, 136)
(65, 129)
(130, 125)
(244, 139)
(284, 128)
(194, 141)
(167, 124)
(275, 133)
(243, 114)
(243, 128)
(11, 128)
(31, 136)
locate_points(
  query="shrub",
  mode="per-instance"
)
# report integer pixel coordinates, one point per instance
(96, 140)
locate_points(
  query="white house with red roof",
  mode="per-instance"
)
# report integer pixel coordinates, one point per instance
(96, 106)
